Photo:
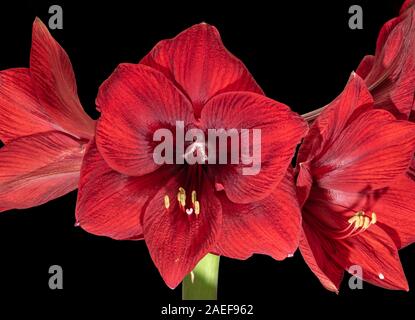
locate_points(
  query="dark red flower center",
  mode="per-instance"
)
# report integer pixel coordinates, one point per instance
(188, 194)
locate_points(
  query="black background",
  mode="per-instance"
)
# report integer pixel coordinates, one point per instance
(300, 52)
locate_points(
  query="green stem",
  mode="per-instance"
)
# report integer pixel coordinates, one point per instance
(202, 283)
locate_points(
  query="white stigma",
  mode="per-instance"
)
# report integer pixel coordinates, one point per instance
(381, 276)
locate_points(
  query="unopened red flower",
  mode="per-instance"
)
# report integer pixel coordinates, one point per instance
(185, 211)
(42, 125)
(357, 202)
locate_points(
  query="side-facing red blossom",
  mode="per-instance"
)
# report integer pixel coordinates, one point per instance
(42, 125)
(185, 211)
(390, 73)
(357, 203)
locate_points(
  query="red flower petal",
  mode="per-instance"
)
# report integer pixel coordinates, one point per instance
(116, 210)
(281, 131)
(373, 249)
(383, 36)
(175, 240)
(354, 100)
(20, 111)
(347, 149)
(38, 168)
(365, 66)
(376, 253)
(318, 253)
(304, 182)
(406, 5)
(197, 62)
(364, 157)
(270, 226)
(398, 207)
(136, 100)
(55, 85)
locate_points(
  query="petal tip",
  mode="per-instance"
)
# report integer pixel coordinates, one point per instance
(38, 25)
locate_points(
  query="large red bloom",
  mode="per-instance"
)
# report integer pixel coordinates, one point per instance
(357, 202)
(42, 125)
(124, 194)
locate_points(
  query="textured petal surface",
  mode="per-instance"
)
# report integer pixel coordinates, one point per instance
(364, 157)
(391, 79)
(20, 112)
(136, 101)
(109, 203)
(318, 253)
(54, 82)
(354, 100)
(365, 66)
(270, 226)
(281, 130)
(346, 150)
(38, 168)
(378, 256)
(197, 61)
(178, 241)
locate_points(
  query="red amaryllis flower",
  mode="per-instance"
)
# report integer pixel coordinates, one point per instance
(185, 211)
(357, 202)
(390, 73)
(42, 125)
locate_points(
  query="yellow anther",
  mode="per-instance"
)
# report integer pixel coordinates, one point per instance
(181, 197)
(166, 201)
(358, 223)
(374, 219)
(193, 196)
(366, 223)
(353, 219)
(361, 221)
(197, 207)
